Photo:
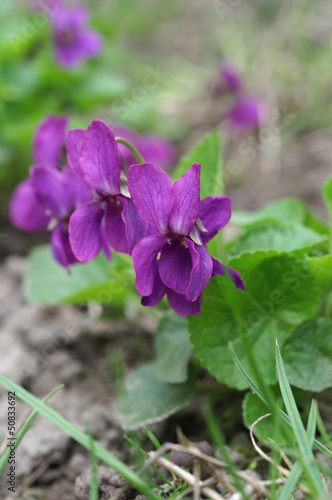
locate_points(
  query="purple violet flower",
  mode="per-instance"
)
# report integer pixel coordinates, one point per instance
(74, 42)
(154, 148)
(173, 259)
(25, 210)
(111, 219)
(248, 112)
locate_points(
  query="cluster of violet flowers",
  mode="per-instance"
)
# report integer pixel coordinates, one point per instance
(99, 202)
(246, 111)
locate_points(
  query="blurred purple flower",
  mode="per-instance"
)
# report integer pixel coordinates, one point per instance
(25, 210)
(230, 76)
(153, 148)
(74, 42)
(110, 220)
(49, 139)
(156, 149)
(248, 112)
(173, 259)
(49, 6)
(48, 196)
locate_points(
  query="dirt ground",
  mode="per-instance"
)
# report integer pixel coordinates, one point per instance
(45, 346)
(42, 347)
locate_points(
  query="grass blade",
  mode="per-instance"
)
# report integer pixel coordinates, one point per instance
(309, 467)
(152, 438)
(79, 436)
(312, 421)
(157, 445)
(296, 472)
(291, 482)
(145, 455)
(94, 487)
(21, 432)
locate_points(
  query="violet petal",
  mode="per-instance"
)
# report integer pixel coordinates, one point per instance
(85, 232)
(91, 44)
(176, 265)
(152, 193)
(159, 289)
(221, 269)
(49, 140)
(25, 210)
(215, 212)
(77, 193)
(60, 246)
(181, 305)
(104, 241)
(135, 224)
(185, 208)
(99, 159)
(201, 270)
(51, 190)
(74, 18)
(144, 259)
(115, 226)
(74, 144)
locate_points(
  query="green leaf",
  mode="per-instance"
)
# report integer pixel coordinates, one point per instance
(307, 355)
(173, 349)
(99, 280)
(253, 408)
(290, 211)
(145, 400)
(314, 223)
(276, 236)
(280, 292)
(327, 195)
(208, 153)
(305, 446)
(321, 268)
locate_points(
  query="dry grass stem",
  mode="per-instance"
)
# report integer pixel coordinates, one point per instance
(285, 472)
(197, 475)
(186, 476)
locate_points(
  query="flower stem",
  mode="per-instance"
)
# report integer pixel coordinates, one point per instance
(131, 147)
